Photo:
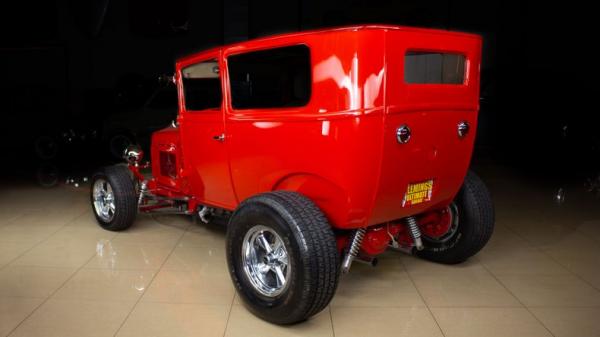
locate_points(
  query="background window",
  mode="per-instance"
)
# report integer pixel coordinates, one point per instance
(434, 68)
(202, 86)
(270, 78)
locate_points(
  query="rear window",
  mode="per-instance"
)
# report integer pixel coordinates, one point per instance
(434, 68)
(270, 78)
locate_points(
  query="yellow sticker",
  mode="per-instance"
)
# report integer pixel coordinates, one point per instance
(417, 193)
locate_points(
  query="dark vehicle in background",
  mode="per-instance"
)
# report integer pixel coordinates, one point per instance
(135, 124)
(579, 157)
(64, 140)
(543, 128)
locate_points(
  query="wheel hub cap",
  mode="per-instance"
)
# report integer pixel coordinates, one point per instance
(104, 200)
(265, 261)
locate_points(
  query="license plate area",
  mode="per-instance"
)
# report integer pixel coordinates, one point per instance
(418, 193)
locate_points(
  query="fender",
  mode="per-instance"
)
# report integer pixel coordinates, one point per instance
(331, 198)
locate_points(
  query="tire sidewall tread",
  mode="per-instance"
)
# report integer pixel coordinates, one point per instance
(312, 248)
(119, 178)
(476, 224)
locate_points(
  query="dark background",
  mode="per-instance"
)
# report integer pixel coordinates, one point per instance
(70, 68)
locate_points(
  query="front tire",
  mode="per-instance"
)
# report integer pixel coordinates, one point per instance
(473, 222)
(282, 257)
(113, 198)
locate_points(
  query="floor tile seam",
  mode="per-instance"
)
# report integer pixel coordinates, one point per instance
(50, 296)
(41, 241)
(437, 323)
(521, 302)
(548, 255)
(229, 315)
(149, 285)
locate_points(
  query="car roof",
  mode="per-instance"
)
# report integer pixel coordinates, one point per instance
(278, 39)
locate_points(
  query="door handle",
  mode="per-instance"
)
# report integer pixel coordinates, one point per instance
(219, 138)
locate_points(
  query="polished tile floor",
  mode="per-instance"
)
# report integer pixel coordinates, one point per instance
(61, 275)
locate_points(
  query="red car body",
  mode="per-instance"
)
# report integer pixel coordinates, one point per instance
(341, 149)
(317, 149)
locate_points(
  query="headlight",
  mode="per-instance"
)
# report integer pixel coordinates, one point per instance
(133, 154)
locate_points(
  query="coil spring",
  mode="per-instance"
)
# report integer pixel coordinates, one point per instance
(356, 242)
(413, 227)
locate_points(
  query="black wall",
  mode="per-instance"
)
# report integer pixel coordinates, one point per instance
(68, 63)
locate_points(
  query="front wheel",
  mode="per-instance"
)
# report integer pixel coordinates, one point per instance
(282, 257)
(470, 225)
(113, 198)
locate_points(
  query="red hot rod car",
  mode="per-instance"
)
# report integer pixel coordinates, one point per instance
(318, 149)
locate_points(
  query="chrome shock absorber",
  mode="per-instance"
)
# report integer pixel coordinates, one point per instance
(143, 189)
(353, 249)
(414, 231)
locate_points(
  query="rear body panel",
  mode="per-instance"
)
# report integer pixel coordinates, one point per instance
(328, 149)
(432, 112)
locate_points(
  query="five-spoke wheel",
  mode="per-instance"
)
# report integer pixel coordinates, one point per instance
(113, 198)
(103, 200)
(282, 256)
(265, 261)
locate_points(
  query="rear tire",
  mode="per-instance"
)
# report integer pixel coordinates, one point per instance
(113, 198)
(310, 272)
(475, 225)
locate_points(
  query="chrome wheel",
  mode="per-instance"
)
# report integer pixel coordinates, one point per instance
(265, 261)
(104, 200)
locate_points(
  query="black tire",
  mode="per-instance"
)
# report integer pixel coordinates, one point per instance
(475, 225)
(47, 175)
(311, 251)
(125, 200)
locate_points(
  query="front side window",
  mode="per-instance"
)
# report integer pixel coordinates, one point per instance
(270, 78)
(202, 86)
(434, 68)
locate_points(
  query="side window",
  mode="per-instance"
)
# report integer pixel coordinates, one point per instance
(202, 86)
(271, 78)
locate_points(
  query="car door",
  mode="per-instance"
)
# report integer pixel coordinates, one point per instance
(205, 157)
